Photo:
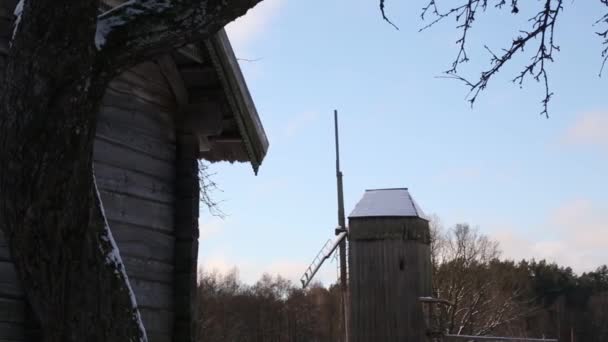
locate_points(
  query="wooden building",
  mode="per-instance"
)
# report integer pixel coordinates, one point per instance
(389, 267)
(157, 120)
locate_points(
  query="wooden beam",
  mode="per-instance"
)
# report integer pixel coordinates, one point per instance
(176, 82)
(192, 52)
(203, 143)
(204, 118)
(226, 140)
(199, 76)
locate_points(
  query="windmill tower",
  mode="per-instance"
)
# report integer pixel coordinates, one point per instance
(390, 267)
(339, 242)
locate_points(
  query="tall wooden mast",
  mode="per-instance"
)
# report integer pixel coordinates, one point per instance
(341, 229)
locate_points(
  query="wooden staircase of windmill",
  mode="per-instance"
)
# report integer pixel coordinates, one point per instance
(325, 253)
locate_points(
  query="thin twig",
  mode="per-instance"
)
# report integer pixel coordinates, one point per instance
(250, 60)
(384, 15)
(207, 187)
(604, 35)
(542, 30)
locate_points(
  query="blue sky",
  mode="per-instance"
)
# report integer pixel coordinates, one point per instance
(536, 185)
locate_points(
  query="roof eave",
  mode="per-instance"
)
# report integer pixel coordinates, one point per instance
(239, 97)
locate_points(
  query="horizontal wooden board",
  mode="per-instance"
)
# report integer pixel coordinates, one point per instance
(156, 337)
(149, 270)
(11, 332)
(149, 70)
(152, 74)
(114, 179)
(153, 83)
(131, 84)
(159, 146)
(3, 46)
(142, 242)
(152, 295)
(129, 159)
(122, 98)
(5, 254)
(138, 211)
(9, 284)
(157, 321)
(145, 118)
(200, 76)
(4, 251)
(11, 310)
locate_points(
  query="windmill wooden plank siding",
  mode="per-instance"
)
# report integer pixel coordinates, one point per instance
(155, 122)
(389, 269)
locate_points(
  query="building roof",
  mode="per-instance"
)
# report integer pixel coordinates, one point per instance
(243, 110)
(396, 202)
(208, 72)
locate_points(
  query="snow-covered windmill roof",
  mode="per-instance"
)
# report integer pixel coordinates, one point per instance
(395, 202)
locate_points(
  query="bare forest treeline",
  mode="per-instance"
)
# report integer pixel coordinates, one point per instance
(491, 296)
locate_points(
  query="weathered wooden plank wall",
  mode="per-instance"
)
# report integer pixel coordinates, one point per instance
(12, 307)
(136, 164)
(388, 272)
(135, 169)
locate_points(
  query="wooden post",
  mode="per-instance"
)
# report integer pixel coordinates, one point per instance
(186, 237)
(341, 228)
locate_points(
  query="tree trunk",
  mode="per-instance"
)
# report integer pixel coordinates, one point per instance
(50, 211)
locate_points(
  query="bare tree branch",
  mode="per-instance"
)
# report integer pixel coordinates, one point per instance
(207, 187)
(251, 60)
(384, 15)
(542, 30)
(140, 29)
(604, 35)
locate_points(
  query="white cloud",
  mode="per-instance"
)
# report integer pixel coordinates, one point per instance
(588, 130)
(583, 223)
(576, 236)
(249, 27)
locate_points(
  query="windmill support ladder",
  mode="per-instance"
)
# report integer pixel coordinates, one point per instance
(327, 250)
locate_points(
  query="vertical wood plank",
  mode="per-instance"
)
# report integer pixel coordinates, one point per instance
(389, 271)
(11, 304)
(186, 233)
